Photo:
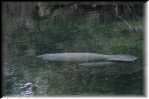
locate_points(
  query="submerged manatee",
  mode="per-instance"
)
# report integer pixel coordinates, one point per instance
(85, 57)
(91, 64)
(94, 63)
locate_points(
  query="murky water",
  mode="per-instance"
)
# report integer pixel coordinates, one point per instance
(56, 78)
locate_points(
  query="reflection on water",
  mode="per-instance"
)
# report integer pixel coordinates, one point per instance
(26, 90)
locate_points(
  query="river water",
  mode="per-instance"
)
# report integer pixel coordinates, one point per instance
(66, 79)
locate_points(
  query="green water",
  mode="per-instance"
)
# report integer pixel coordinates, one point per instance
(60, 79)
(56, 78)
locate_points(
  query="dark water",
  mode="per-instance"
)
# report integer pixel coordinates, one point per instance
(70, 79)
(57, 78)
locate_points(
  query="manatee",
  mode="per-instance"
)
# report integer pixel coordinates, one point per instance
(91, 64)
(85, 57)
(95, 63)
